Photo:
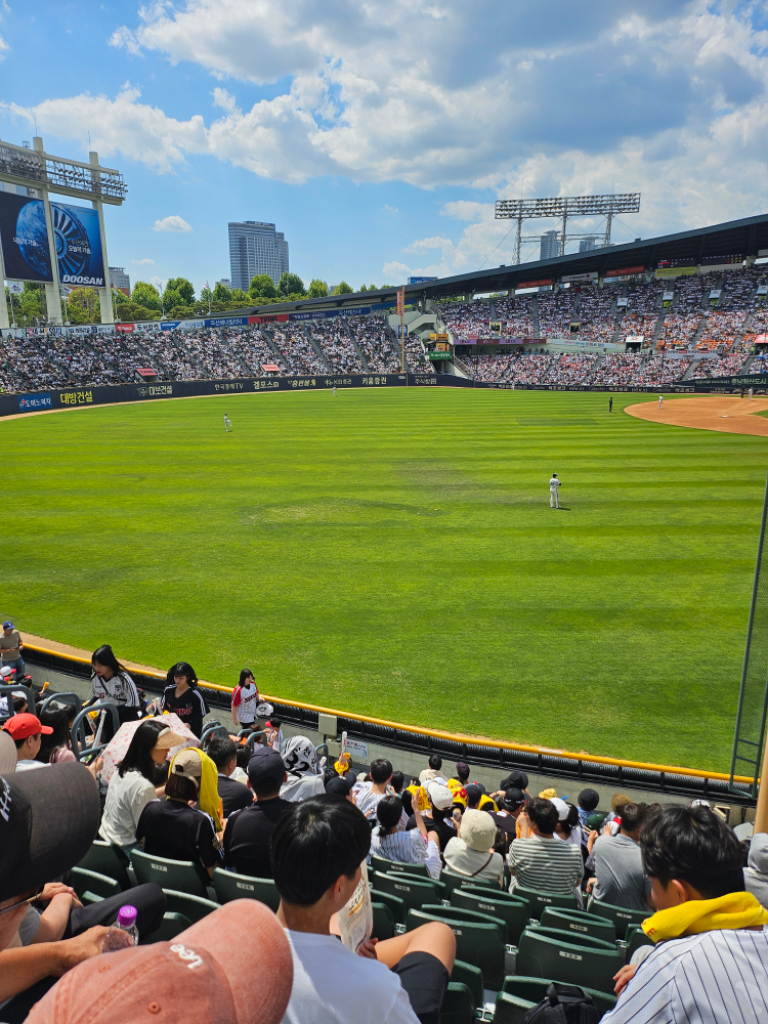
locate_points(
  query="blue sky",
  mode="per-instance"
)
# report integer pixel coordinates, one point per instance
(377, 135)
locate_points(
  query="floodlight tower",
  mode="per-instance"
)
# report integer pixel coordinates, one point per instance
(564, 207)
(38, 171)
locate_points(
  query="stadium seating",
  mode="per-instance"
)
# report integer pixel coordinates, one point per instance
(579, 922)
(195, 908)
(107, 860)
(621, 916)
(91, 882)
(534, 990)
(184, 876)
(395, 866)
(543, 955)
(414, 892)
(515, 915)
(479, 942)
(539, 901)
(230, 886)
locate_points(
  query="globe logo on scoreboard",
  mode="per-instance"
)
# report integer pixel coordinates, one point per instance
(31, 237)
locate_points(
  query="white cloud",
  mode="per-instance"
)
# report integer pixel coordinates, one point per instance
(391, 210)
(395, 272)
(225, 100)
(172, 223)
(425, 244)
(144, 263)
(123, 37)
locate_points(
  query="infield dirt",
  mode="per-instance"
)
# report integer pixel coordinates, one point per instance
(724, 413)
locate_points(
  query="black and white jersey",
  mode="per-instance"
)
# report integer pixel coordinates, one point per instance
(190, 707)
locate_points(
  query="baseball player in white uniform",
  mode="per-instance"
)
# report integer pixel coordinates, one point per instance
(227, 424)
(661, 400)
(554, 485)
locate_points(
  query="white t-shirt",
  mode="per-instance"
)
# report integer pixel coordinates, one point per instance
(298, 789)
(126, 799)
(332, 985)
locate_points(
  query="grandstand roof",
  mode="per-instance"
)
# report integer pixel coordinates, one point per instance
(745, 237)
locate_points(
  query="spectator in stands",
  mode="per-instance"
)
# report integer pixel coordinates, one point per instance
(56, 746)
(182, 696)
(234, 795)
(756, 871)
(341, 785)
(539, 860)
(710, 962)
(617, 864)
(317, 852)
(248, 832)
(11, 646)
(44, 831)
(138, 780)
(515, 780)
(273, 731)
(111, 682)
(304, 779)
(510, 809)
(368, 794)
(568, 828)
(397, 782)
(435, 770)
(413, 846)
(27, 732)
(172, 828)
(613, 818)
(587, 804)
(438, 817)
(215, 983)
(462, 773)
(478, 799)
(471, 851)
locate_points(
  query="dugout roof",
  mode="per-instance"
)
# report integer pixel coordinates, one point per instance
(745, 237)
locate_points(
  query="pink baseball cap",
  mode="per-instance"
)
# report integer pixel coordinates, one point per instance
(232, 967)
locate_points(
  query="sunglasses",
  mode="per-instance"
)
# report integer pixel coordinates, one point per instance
(22, 903)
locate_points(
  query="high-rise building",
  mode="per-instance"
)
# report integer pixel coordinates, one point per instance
(550, 245)
(587, 244)
(256, 248)
(120, 280)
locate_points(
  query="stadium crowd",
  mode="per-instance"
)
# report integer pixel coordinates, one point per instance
(368, 892)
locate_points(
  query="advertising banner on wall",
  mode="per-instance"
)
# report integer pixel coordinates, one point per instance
(24, 237)
(78, 246)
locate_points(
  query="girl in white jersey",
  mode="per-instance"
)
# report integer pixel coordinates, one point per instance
(245, 700)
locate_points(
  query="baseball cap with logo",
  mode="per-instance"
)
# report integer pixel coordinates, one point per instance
(45, 829)
(204, 973)
(439, 795)
(266, 765)
(21, 727)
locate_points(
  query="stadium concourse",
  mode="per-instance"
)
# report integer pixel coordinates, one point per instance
(244, 850)
(682, 333)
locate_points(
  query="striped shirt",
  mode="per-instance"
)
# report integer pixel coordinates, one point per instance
(409, 848)
(548, 865)
(719, 977)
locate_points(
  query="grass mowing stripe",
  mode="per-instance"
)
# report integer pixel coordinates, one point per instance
(394, 553)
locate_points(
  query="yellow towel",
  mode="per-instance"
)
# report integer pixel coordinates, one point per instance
(208, 799)
(736, 910)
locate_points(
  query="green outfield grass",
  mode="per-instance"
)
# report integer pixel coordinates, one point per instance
(393, 553)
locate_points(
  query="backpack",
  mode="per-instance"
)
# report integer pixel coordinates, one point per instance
(564, 1004)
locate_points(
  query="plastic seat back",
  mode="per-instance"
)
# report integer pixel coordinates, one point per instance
(535, 989)
(84, 881)
(179, 875)
(636, 938)
(621, 916)
(107, 860)
(579, 922)
(511, 1009)
(468, 914)
(414, 892)
(591, 941)
(538, 901)
(383, 922)
(544, 956)
(171, 925)
(395, 904)
(472, 977)
(477, 943)
(514, 915)
(230, 886)
(394, 866)
(195, 908)
(458, 1005)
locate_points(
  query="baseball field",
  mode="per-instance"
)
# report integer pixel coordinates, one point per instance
(393, 552)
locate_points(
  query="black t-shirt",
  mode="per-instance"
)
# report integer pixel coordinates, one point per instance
(234, 795)
(247, 835)
(190, 707)
(171, 829)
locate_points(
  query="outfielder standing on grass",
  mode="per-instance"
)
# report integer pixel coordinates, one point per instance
(227, 424)
(554, 485)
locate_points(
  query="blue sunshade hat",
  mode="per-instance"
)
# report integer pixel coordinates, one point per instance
(8, 625)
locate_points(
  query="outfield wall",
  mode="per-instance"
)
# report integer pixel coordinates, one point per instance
(70, 398)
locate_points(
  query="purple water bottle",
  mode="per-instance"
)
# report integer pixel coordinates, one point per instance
(123, 932)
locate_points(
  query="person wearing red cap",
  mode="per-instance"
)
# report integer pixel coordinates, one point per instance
(26, 731)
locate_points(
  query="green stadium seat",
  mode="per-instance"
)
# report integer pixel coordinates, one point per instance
(477, 943)
(179, 875)
(482, 890)
(472, 977)
(543, 956)
(511, 1009)
(393, 866)
(581, 940)
(538, 901)
(451, 880)
(621, 916)
(458, 1006)
(230, 886)
(469, 915)
(108, 860)
(395, 904)
(171, 925)
(195, 908)
(514, 915)
(414, 892)
(535, 989)
(579, 922)
(636, 938)
(383, 922)
(98, 885)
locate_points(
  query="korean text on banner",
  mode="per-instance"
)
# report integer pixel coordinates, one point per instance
(24, 238)
(400, 301)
